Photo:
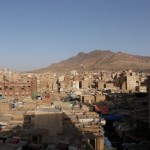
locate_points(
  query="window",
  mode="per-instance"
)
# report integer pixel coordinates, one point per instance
(6, 87)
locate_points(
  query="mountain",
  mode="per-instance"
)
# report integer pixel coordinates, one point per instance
(102, 60)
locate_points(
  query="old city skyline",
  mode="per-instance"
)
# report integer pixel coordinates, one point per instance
(33, 33)
(74, 75)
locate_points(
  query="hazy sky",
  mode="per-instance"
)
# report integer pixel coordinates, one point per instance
(37, 33)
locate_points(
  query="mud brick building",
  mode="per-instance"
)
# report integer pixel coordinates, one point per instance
(101, 85)
(129, 80)
(84, 84)
(18, 89)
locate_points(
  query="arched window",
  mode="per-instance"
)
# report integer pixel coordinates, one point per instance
(10, 88)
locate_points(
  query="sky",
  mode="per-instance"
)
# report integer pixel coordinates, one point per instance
(37, 33)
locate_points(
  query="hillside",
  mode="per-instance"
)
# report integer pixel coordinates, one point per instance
(102, 60)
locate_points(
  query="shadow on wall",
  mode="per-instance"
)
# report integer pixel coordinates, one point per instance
(46, 130)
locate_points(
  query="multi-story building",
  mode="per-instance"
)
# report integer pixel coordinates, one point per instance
(18, 89)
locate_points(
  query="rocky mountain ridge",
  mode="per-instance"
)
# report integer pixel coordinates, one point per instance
(102, 60)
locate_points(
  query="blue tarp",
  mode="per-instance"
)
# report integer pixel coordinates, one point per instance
(107, 142)
(112, 117)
